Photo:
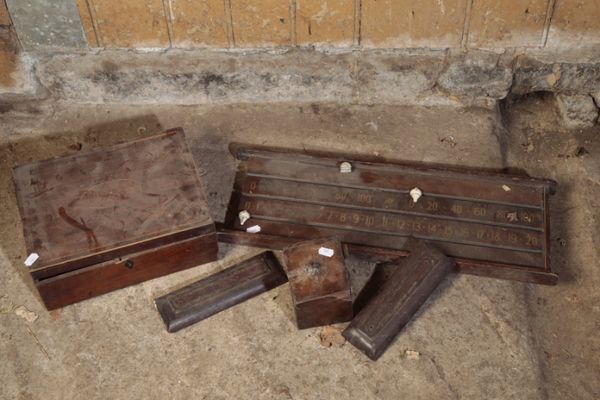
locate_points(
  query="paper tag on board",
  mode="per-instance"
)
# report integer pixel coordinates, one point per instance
(253, 229)
(31, 259)
(326, 251)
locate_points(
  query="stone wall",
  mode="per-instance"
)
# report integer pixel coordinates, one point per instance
(378, 76)
(464, 52)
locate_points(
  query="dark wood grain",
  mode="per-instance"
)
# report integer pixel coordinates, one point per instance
(77, 206)
(229, 287)
(208, 232)
(139, 202)
(382, 254)
(393, 297)
(491, 223)
(320, 285)
(105, 277)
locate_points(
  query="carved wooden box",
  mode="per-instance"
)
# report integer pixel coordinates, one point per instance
(218, 292)
(105, 219)
(392, 299)
(319, 282)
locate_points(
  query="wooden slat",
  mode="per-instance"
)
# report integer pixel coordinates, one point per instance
(394, 202)
(131, 23)
(383, 223)
(9, 61)
(87, 21)
(400, 180)
(261, 23)
(574, 23)
(507, 23)
(198, 23)
(412, 23)
(4, 15)
(329, 22)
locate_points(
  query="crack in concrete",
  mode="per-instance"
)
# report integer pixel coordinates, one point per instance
(440, 371)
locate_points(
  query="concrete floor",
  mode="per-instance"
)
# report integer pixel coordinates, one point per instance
(476, 337)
